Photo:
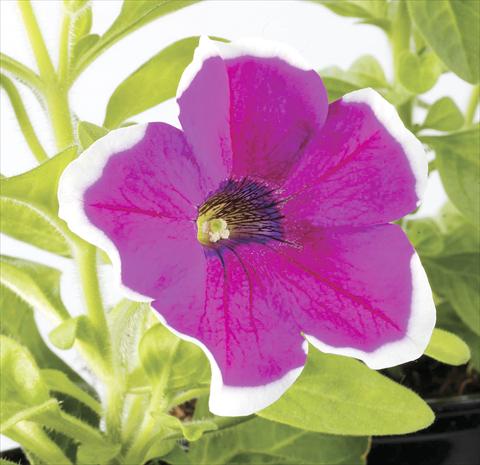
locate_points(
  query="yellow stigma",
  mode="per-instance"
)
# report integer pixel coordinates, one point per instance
(212, 230)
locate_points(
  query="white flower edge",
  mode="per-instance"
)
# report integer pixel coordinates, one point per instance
(260, 48)
(388, 116)
(418, 334)
(238, 401)
(81, 174)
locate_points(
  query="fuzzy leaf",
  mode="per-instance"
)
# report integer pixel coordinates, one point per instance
(21, 379)
(36, 284)
(60, 382)
(33, 225)
(133, 15)
(447, 348)
(450, 27)
(170, 361)
(154, 82)
(88, 133)
(444, 115)
(127, 322)
(340, 395)
(279, 443)
(17, 322)
(39, 185)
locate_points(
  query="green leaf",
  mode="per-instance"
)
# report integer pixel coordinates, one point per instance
(154, 82)
(274, 442)
(12, 413)
(17, 322)
(367, 9)
(170, 362)
(39, 186)
(444, 115)
(458, 163)
(337, 82)
(449, 320)
(33, 225)
(82, 23)
(127, 322)
(425, 236)
(447, 348)
(340, 395)
(88, 133)
(459, 235)
(60, 382)
(418, 74)
(82, 47)
(36, 284)
(29, 205)
(368, 72)
(450, 27)
(191, 430)
(456, 278)
(133, 15)
(22, 385)
(64, 335)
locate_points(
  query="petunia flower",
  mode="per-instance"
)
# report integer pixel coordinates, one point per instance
(263, 223)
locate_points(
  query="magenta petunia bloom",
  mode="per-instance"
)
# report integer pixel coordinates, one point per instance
(264, 222)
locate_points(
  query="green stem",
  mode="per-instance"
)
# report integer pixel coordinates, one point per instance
(56, 93)
(472, 105)
(400, 35)
(147, 431)
(39, 48)
(114, 409)
(59, 111)
(64, 52)
(21, 72)
(87, 262)
(23, 119)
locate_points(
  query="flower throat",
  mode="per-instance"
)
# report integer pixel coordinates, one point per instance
(240, 212)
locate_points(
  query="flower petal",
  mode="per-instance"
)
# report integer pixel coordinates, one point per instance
(364, 167)
(204, 99)
(362, 292)
(239, 319)
(134, 193)
(275, 104)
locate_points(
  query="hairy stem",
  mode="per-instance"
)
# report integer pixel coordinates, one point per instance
(60, 116)
(64, 52)
(87, 263)
(23, 119)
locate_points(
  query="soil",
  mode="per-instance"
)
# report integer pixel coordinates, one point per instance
(433, 380)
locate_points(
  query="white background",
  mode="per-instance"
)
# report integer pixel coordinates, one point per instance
(322, 37)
